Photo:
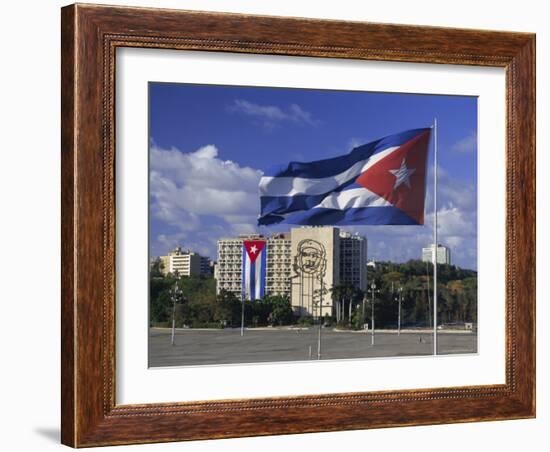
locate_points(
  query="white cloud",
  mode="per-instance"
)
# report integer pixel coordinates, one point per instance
(186, 187)
(457, 229)
(243, 228)
(166, 205)
(203, 169)
(297, 114)
(396, 243)
(466, 144)
(458, 193)
(200, 183)
(457, 217)
(266, 111)
(271, 114)
(453, 222)
(167, 241)
(450, 191)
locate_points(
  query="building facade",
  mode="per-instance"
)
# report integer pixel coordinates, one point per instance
(316, 268)
(353, 259)
(185, 263)
(228, 270)
(303, 265)
(279, 268)
(206, 268)
(443, 254)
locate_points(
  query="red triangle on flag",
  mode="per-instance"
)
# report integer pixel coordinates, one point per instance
(253, 248)
(400, 177)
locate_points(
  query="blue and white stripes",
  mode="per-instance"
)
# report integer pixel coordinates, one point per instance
(254, 266)
(325, 192)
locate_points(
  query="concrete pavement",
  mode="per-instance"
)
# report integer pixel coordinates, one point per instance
(200, 347)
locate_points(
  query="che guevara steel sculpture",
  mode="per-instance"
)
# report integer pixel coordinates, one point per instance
(310, 265)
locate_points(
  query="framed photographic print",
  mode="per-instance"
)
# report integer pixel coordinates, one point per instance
(278, 225)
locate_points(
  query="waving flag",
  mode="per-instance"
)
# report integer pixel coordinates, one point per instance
(382, 182)
(254, 262)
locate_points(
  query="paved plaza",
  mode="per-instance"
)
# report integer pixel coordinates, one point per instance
(200, 346)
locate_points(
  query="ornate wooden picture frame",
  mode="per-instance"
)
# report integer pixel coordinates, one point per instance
(90, 37)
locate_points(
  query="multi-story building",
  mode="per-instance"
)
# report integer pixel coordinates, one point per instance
(206, 268)
(185, 263)
(353, 258)
(228, 271)
(278, 268)
(316, 265)
(443, 254)
(303, 264)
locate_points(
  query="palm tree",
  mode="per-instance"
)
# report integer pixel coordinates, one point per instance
(355, 297)
(346, 292)
(350, 293)
(336, 293)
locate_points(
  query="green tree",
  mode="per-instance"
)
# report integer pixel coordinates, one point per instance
(157, 268)
(281, 310)
(228, 308)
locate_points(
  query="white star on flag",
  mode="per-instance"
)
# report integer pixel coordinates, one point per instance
(402, 175)
(253, 249)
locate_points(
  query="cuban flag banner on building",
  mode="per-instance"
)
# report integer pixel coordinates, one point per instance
(254, 263)
(378, 183)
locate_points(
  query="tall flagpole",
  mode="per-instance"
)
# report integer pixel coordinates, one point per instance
(242, 316)
(434, 256)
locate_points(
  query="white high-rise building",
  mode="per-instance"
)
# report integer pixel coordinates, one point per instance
(228, 272)
(278, 268)
(443, 254)
(185, 263)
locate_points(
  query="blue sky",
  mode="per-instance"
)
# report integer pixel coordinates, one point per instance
(210, 144)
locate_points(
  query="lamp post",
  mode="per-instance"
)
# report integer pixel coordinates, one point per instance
(399, 300)
(319, 310)
(176, 292)
(365, 294)
(373, 290)
(242, 312)
(320, 322)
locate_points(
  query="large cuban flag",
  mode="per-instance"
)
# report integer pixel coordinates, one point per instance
(382, 182)
(254, 262)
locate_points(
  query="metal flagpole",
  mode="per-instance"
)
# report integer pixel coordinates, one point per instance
(320, 320)
(399, 311)
(435, 238)
(373, 287)
(242, 310)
